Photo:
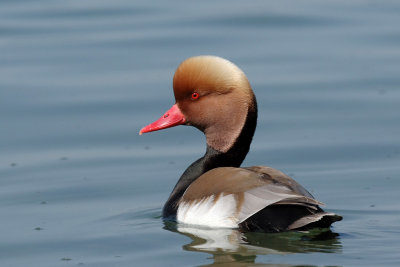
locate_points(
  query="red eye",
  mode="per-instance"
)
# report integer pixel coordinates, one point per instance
(195, 96)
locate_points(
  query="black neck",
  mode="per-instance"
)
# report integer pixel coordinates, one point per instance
(214, 159)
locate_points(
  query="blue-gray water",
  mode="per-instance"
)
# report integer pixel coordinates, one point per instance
(78, 79)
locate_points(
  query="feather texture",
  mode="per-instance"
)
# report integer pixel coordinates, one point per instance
(229, 197)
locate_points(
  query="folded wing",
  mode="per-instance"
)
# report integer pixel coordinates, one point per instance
(256, 198)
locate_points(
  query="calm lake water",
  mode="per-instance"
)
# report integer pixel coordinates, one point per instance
(78, 79)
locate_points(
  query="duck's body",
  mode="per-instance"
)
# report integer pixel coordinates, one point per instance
(214, 95)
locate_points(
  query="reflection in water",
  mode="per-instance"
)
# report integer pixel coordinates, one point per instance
(231, 247)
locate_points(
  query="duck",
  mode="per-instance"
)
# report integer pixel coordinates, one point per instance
(214, 95)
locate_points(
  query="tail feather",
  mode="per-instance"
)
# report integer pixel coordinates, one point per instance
(323, 220)
(280, 218)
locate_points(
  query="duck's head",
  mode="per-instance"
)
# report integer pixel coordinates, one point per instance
(213, 95)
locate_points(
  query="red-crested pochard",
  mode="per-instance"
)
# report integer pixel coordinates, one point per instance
(214, 95)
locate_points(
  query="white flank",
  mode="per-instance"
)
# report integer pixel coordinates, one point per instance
(206, 212)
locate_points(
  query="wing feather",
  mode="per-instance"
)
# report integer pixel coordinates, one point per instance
(243, 192)
(258, 198)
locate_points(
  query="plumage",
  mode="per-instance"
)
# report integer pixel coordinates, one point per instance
(242, 192)
(214, 95)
